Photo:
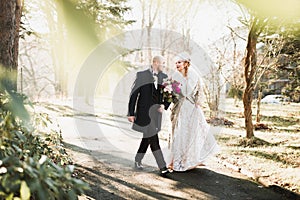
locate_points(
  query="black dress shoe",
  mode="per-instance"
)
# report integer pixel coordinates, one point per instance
(138, 165)
(164, 171)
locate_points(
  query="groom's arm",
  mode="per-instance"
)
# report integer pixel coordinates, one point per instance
(134, 96)
(163, 106)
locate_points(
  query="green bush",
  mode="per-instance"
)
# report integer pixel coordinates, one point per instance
(234, 92)
(33, 162)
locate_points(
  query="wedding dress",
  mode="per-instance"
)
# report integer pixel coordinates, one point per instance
(192, 140)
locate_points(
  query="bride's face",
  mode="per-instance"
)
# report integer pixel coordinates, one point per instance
(180, 65)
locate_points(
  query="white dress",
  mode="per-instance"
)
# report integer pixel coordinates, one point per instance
(192, 140)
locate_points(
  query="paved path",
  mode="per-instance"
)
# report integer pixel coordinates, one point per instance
(110, 145)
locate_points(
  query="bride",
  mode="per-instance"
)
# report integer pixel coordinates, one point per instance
(192, 141)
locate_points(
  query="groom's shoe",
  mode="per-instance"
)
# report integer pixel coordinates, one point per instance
(164, 171)
(138, 165)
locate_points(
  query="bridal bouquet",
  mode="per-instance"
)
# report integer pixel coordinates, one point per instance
(171, 90)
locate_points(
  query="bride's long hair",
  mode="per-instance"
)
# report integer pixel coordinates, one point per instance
(185, 58)
(187, 64)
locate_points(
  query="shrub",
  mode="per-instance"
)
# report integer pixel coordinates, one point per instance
(234, 92)
(33, 163)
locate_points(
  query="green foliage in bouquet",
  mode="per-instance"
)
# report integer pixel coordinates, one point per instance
(171, 90)
(33, 163)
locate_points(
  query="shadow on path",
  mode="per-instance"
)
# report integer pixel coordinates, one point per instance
(98, 180)
(225, 187)
(122, 182)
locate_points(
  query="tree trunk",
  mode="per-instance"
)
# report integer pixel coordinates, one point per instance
(258, 106)
(10, 16)
(247, 100)
(149, 28)
(60, 37)
(250, 68)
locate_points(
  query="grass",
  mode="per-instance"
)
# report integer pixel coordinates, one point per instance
(280, 121)
(253, 142)
(283, 158)
(232, 140)
(277, 152)
(275, 160)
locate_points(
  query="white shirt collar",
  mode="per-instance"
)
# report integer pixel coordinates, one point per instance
(151, 70)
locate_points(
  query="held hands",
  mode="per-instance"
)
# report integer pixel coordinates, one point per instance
(131, 119)
(161, 108)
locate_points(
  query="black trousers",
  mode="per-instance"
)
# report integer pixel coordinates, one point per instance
(153, 141)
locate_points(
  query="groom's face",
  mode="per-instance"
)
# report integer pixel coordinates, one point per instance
(160, 65)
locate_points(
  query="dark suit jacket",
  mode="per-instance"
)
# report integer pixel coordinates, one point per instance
(144, 102)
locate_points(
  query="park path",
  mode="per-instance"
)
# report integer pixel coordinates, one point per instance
(103, 147)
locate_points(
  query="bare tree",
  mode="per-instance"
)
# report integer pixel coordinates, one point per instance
(212, 89)
(37, 72)
(227, 70)
(59, 44)
(214, 82)
(259, 19)
(235, 78)
(267, 58)
(250, 66)
(150, 10)
(165, 15)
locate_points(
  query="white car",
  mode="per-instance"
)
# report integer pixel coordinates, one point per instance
(274, 99)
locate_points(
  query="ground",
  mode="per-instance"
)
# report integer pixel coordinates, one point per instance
(273, 157)
(121, 181)
(103, 146)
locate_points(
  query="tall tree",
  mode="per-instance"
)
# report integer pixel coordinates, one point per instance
(74, 28)
(250, 67)
(166, 15)
(10, 16)
(260, 13)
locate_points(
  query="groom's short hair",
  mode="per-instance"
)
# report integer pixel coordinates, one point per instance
(158, 58)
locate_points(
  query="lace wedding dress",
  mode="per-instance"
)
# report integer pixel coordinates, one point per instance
(192, 140)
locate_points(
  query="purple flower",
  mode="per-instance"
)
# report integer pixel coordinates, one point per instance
(177, 90)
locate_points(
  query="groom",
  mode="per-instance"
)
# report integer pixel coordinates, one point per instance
(145, 111)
